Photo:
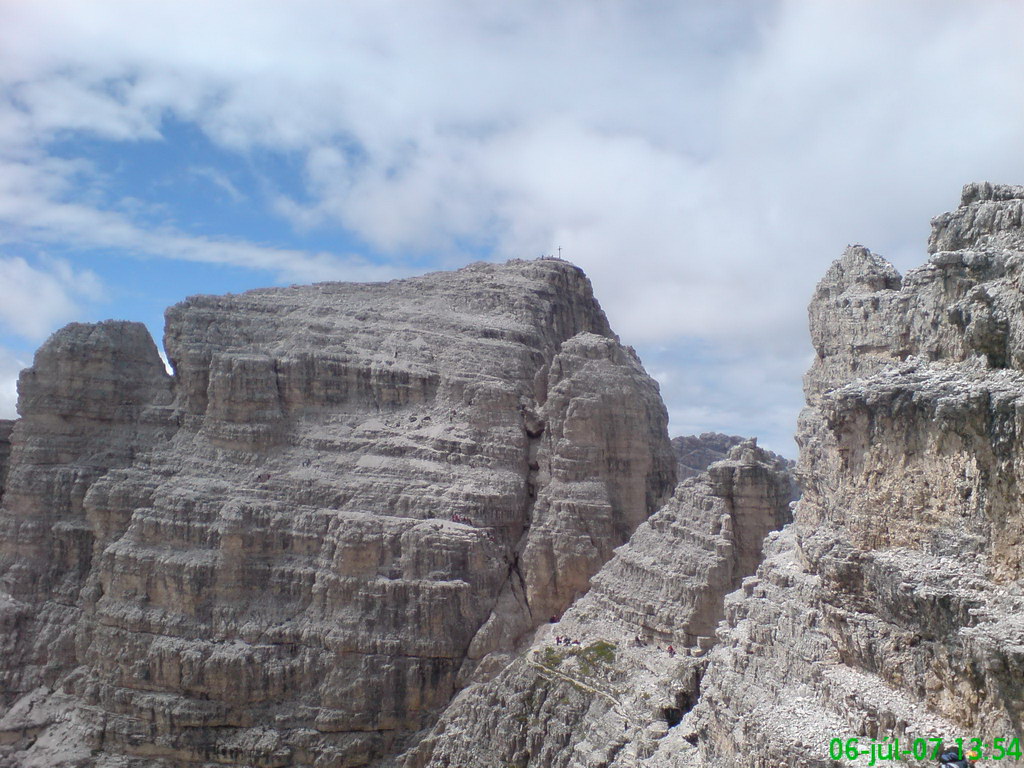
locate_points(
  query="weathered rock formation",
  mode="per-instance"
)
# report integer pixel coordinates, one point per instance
(291, 552)
(609, 697)
(893, 606)
(96, 396)
(351, 504)
(695, 453)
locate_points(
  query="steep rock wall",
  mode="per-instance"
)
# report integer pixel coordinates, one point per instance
(95, 397)
(892, 606)
(358, 479)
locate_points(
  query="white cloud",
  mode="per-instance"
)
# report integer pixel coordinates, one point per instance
(703, 161)
(35, 300)
(219, 180)
(30, 212)
(10, 366)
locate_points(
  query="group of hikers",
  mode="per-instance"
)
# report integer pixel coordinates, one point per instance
(639, 642)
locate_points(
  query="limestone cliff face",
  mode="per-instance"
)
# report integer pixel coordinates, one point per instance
(336, 535)
(892, 606)
(95, 397)
(610, 697)
(345, 500)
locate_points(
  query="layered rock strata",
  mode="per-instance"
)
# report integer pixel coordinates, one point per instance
(96, 397)
(291, 552)
(893, 606)
(610, 694)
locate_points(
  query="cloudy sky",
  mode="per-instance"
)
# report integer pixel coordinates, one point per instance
(704, 162)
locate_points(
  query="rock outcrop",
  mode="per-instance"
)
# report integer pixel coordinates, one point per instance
(609, 694)
(893, 606)
(695, 453)
(345, 500)
(96, 396)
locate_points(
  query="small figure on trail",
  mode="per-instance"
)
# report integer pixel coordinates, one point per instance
(671, 651)
(553, 620)
(951, 758)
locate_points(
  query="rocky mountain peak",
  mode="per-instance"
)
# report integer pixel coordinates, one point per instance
(888, 609)
(296, 549)
(436, 522)
(988, 218)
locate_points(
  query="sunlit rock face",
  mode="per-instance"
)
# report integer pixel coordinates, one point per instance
(434, 523)
(695, 453)
(893, 605)
(346, 500)
(96, 397)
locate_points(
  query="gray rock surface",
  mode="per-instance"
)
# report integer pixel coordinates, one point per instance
(335, 537)
(348, 501)
(6, 426)
(95, 397)
(614, 696)
(893, 606)
(695, 453)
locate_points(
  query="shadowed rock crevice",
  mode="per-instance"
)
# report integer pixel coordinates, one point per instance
(6, 427)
